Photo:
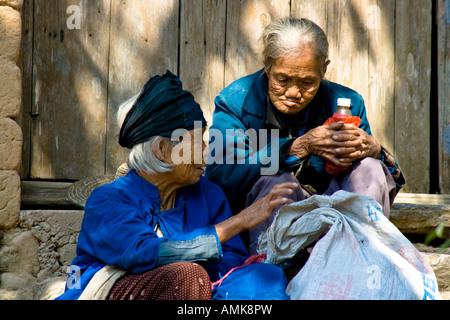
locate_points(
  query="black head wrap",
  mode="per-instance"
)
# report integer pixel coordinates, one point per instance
(161, 108)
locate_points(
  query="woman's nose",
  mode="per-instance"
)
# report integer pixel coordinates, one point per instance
(293, 92)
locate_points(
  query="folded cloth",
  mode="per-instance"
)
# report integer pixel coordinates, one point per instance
(102, 282)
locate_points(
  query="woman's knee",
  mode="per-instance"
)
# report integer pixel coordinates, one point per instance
(184, 270)
(265, 183)
(175, 281)
(277, 179)
(190, 281)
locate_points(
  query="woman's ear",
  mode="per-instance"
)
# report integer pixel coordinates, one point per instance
(325, 66)
(162, 150)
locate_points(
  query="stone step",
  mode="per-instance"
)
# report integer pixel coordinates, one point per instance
(439, 262)
(414, 213)
(419, 215)
(423, 199)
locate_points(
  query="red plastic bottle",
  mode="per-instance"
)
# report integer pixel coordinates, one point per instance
(342, 114)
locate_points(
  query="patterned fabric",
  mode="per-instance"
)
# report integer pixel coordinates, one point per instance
(391, 163)
(175, 281)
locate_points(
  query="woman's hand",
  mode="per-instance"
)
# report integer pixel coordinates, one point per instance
(261, 210)
(257, 213)
(338, 143)
(367, 145)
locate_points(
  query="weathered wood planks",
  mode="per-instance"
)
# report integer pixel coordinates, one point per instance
(443, 57)
(245, 22)
(202, 50)
(412, 92)
(69, 95)
(144, 42)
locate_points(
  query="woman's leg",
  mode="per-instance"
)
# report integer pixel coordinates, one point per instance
(370, 177)
(260, 189)
(175, 281)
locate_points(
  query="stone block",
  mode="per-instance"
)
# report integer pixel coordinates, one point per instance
(19, 253)
(10, 33)
(420, 219)
(14, 281)
(51, 288)
(57, 232)
(66, 253)
(10, 89)
(440, 263)
(35, 255)
(445, 295)
(11, 140)
(421, 213)
(9, 199)
(16, 4)
(8, 294)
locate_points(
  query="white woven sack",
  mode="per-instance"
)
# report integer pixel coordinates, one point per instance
(361, 255)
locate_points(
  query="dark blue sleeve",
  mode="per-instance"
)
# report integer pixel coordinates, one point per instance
(118, 234)
(234, 252)
(236, 158)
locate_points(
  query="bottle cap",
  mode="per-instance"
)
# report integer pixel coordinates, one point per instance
(344, 102)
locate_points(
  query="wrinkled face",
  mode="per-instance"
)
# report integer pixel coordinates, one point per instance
(188, 158)
(293, 82)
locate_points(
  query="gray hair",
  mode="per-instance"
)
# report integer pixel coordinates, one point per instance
(288, 37)
(142, 156)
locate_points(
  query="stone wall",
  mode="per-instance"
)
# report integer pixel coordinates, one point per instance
(10, 132)
(36, 254)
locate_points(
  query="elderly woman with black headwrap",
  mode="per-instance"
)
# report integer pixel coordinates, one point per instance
(164, 231)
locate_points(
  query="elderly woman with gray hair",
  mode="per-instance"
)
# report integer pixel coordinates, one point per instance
(164, 231)
(291, 95)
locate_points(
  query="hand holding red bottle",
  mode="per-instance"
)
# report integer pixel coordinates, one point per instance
(342, 114)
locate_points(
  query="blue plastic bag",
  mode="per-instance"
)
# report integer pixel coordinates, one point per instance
(256, 281)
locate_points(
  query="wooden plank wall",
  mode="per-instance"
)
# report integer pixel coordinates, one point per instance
(443, 62)
(144, 42)
(412, 90)
(69, 91)
(380, 48)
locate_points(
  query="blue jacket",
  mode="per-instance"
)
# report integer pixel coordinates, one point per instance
(244, 105)
(119, 224)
